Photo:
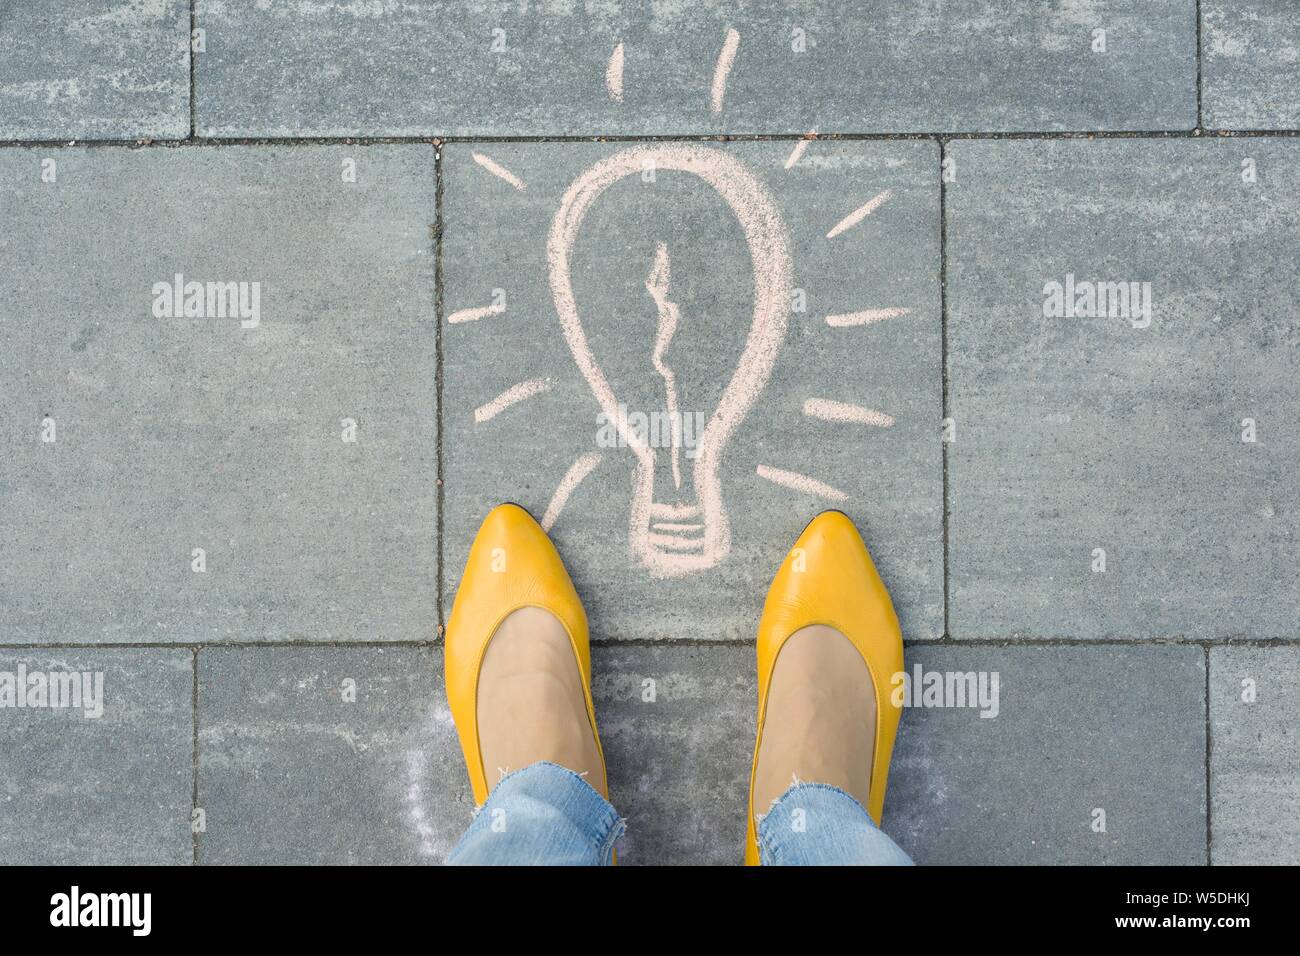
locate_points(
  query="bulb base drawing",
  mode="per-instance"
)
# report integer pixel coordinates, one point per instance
(676, 529)
(689, 533)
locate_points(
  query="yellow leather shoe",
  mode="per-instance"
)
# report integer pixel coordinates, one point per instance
(512, 565)
(828, 578)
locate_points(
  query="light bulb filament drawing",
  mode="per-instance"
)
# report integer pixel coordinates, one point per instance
(659, 284)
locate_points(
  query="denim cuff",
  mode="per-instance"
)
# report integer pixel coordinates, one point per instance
(542, 813)
(815, 824)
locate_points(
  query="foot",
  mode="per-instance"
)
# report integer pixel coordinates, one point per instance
(531, 705)
(821, 719)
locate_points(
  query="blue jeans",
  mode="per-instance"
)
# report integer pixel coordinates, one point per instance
(546, 815)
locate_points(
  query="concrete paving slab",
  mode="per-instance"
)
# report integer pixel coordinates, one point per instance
(500, 69)
(677, 727)
(1124, 471)
(289, 772)
(138, 441)
(1084, 738)
(1072, 733)
(1255, 755)
(89, 69)
(327, 756)
(845, 247)
(1250, 64)
(98, 756)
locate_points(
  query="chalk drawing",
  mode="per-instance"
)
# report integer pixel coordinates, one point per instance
(767, 236)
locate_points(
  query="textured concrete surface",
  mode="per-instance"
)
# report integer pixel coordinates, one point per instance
(677, 727)
(1250, 64)
(290, 772)
(496, 239)
(492, 68)
(1087, 434)
(113, 789)
(1255, 755)
(327, 755)
(173, 434)
(1078, 730)
(129, 440)
(1069, 736)
(88, 69)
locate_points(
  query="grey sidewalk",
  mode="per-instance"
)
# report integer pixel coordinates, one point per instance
(1040, 339)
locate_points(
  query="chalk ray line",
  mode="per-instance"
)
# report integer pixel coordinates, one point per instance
(829, 410)
(865, 317)
(614, 75)
(511, 396)
(797, 153)
(496, 169)
(859, 214)
(577, 473)
(797, 482)
(726, 58)
(474, 314)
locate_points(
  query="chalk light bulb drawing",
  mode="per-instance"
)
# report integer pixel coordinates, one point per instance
(692, 532)
(678, 538)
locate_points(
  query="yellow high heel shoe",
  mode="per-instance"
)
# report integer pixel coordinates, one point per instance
(828, 578)
(512, 565)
